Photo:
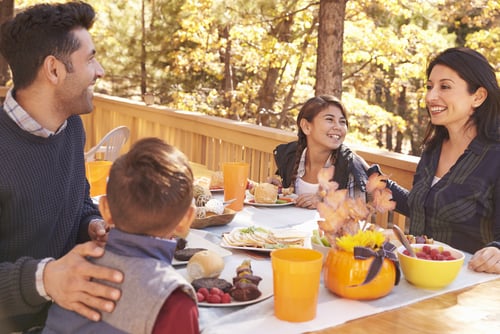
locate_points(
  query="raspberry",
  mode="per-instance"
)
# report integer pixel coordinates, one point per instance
(200, 297)
(216, 291)
(214, 299)
(204, 292)
(446, 253)
(226, 298)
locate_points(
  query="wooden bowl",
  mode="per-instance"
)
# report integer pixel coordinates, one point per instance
(214, 220)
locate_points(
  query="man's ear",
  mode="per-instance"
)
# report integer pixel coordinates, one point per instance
(53, 69)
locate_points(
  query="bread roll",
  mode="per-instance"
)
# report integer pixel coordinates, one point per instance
(205, 264)
(217, 180)
(266, 193)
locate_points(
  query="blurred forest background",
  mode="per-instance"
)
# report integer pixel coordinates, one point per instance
(258, 60)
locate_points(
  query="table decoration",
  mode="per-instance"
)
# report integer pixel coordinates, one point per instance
(213, 219)
(360, 265)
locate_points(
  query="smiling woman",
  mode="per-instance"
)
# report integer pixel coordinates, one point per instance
(455, 197)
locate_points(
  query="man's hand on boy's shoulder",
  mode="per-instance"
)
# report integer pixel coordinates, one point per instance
(68, 281)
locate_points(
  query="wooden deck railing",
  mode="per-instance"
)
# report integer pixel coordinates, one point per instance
(209, 140)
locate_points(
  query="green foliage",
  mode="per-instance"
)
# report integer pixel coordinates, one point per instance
(387, 44)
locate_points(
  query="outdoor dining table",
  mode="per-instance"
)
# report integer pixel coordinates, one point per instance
(471, 304)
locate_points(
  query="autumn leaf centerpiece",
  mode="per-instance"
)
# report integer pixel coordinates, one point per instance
(361, 264)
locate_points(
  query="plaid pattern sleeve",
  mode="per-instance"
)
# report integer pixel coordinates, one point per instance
(463, 208)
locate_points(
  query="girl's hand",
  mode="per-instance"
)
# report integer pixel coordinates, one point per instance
(309, 201)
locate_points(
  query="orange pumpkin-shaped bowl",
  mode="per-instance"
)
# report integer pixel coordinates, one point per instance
(344, 274)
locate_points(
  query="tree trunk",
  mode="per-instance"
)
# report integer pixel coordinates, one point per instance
(6, 12)
(267, 92)
(389, 106)
(227, 81)
(401, 111)
(330, 47)
(289, 96)
(144, 83)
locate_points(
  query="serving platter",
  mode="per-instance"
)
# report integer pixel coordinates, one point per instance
(290, 200)
(197, 241)
(259, 268)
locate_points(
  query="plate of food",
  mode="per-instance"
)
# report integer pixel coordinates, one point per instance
(280, 201)
(217, 182)
(192, 244)
(267, 194)
(260, 239)
(261, 272)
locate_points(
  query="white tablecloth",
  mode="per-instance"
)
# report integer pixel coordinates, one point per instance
(332, 310)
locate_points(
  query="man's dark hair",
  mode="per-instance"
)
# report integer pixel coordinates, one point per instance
(40, 31)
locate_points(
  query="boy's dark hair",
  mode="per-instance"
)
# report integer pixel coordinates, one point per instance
(150, 188)
(40, 31)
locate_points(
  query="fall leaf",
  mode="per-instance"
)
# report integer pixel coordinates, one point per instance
(382, 200)
(376, 181)
(342, 214)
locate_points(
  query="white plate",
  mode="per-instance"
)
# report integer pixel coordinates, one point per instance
(255, 249)
(285, 232)
(249, 200)
(196, 241)
(259, 268)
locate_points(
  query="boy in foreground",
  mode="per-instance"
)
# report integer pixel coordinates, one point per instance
(149, 201)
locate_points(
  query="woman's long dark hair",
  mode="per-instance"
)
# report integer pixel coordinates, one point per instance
(477, 72)
(310, 109)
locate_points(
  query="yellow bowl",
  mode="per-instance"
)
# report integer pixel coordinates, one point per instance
(430, 274)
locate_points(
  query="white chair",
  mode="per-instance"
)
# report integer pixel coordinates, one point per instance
(110, 145)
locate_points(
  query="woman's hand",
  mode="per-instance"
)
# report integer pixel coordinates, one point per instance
(309, 201)
(486, 260)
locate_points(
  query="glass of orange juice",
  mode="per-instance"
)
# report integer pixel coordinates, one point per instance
(235, 183)
(97, 174)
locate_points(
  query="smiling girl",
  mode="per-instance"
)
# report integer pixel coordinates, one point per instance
(322, 123)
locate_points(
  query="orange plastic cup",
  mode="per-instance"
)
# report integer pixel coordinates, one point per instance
(296, 277)
(235, 183)
(97, 175)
